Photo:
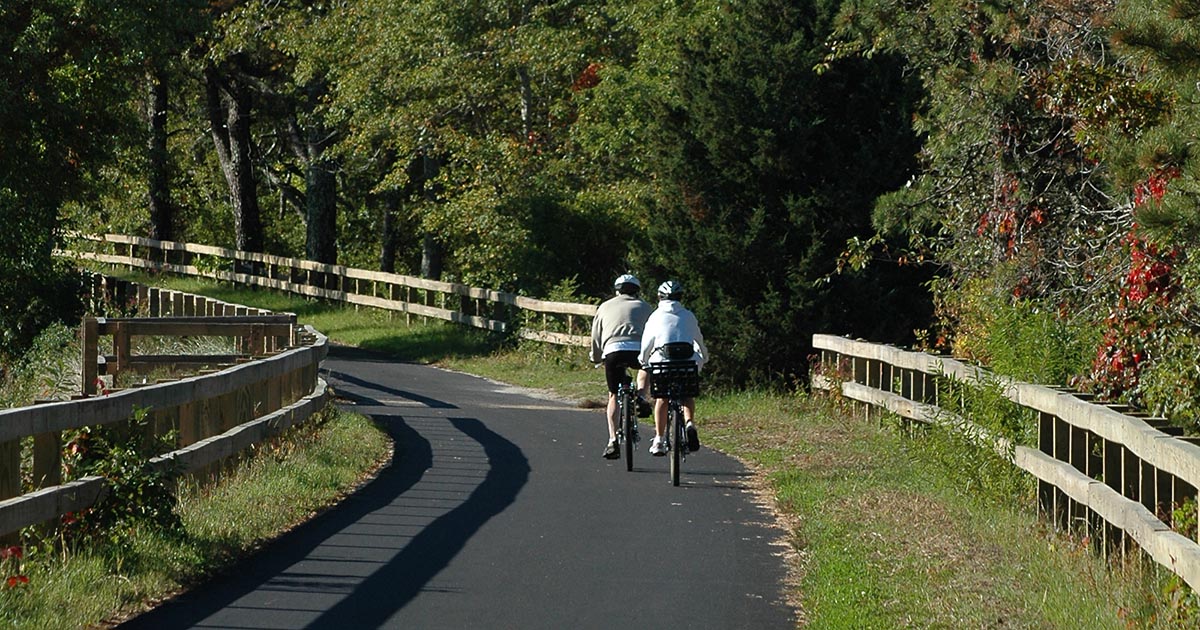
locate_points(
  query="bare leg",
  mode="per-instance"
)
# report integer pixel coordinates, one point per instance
(611, 412)
(660, 416)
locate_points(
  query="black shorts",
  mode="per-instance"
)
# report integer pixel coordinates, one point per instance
(615, 365)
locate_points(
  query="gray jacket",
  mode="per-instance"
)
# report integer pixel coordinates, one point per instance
(619, 322)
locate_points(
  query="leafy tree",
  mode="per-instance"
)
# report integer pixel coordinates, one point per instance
(1013, 197)
(765, 169)
(229, 98)
(166, 31)
(293, 48)
(470, 103)
(63, 81)
(1148, 353)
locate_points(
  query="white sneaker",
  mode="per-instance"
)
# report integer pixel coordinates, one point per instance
(658, 446)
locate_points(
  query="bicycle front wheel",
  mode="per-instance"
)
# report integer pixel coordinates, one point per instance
(675, 429)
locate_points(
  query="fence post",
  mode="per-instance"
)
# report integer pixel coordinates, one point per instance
(258, 340)
(47, 459)
(88, 342)
(143, 299)
(120, 349)
(10, 469)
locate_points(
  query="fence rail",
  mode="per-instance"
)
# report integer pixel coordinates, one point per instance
(212, 415)
(1098, 467)
(561, 323)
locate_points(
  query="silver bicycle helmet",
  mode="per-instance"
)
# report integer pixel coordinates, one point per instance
(670, 290)
(626, 278)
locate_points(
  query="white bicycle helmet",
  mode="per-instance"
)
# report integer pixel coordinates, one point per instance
(627, 283)
(670, 290)
(626, 278)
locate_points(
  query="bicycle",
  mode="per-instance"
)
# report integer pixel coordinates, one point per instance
(675, 379)
(627, 429)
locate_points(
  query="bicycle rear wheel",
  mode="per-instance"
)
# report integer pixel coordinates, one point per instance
(628, 418)
(675, 429)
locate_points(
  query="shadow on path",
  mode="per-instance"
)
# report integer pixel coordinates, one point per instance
(432, 403)
(396, 583)
(371, 600)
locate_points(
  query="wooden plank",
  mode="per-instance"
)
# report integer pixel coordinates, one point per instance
(49, 503)
(152, 322)
(1177, 457)
(167, 327)
(189, 424)
(26, 421)
(121, 349)
(237, 439)
(565, 308)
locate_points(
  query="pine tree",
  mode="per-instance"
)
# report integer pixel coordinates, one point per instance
(767, 169)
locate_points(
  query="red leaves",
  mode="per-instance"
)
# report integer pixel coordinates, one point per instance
(588, 78)
(1144, 306)
(1155, 186)
(13, 553)
(1150, 272)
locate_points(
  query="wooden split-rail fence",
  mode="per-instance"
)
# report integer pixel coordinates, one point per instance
(561, 323)
(1103, 469)
(267, 383)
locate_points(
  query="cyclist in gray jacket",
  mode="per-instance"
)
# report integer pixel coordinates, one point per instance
(616, 340)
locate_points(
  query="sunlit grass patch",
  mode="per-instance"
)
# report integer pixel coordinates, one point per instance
(256, 500)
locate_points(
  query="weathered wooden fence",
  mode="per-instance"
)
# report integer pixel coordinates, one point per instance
(1099, 468)
(268, 386)
(562, 323)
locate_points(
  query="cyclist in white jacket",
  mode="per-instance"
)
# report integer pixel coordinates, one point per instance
(671, 322)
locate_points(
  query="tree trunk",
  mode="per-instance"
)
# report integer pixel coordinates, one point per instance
(431, 257)
(229, 117)
(526, 104)
(158, 179)
(320, 199)
(432, 253)
(391, 232)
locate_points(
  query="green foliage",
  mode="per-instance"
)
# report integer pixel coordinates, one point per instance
(48, 370)
(32, 298)
(64, 79)
(965, 442)
(139, 494)
(764, 167)
(1017, 337)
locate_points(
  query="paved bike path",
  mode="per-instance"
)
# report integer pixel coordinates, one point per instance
(498, 512)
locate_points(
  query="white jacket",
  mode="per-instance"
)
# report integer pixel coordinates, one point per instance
(671, 322)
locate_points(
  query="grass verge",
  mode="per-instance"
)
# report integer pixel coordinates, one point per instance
(260, 498)
(887, 538)
(884, 533)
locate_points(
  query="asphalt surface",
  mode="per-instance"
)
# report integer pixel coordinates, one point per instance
(497, 511)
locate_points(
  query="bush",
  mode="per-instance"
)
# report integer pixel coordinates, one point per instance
(1020, 338)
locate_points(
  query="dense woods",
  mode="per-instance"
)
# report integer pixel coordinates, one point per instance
(1011, 181)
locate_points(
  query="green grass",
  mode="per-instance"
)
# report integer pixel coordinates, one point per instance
(883, 533)
(886, 537)
(261, 498)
